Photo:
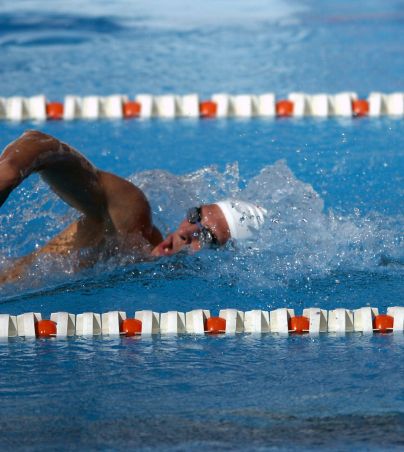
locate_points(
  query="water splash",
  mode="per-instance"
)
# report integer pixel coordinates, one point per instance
(298, 241)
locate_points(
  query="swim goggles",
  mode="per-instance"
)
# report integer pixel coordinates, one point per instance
(206, 236)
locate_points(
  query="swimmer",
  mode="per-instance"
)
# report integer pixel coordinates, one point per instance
(116, 215)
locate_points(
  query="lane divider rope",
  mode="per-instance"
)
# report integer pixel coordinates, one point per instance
(199, 321)
(346, 104)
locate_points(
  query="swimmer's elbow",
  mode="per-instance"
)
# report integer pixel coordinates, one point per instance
(33, 134)
(36, 137)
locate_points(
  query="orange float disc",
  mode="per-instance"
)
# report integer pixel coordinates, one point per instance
(215, 325)
(131, 109)
(284, 108)
(383, 323)
(131, 327)
(360, 107)
(208, 109)
(45, 328)
(299, 324)
(54, 110)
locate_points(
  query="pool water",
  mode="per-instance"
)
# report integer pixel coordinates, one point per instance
(333, 189)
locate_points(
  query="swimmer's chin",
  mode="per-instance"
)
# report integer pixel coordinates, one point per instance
(162, 250)
(159, 252)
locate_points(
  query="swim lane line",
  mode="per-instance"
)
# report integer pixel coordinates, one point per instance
(171, 106)
(200, 321)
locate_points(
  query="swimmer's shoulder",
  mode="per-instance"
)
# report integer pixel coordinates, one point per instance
(127, 205)
(117, 187)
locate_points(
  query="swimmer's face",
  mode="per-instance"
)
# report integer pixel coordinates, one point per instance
(188, 236)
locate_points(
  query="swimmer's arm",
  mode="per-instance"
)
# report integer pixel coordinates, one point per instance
(100, 195)
(18, 269)
(84, 233)
(129, 212)
(66, 171)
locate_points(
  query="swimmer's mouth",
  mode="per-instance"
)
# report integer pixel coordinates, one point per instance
(162, 250)
(165, 248)
(170, 246)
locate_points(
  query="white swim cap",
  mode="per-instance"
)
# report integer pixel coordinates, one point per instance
(243, 218)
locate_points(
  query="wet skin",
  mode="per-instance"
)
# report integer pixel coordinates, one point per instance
(187, 235)
(116, 215)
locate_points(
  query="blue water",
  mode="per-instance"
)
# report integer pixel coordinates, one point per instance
(333, 188)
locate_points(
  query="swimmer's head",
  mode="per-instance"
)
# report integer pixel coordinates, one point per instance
(213, 225)
(244, 219)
